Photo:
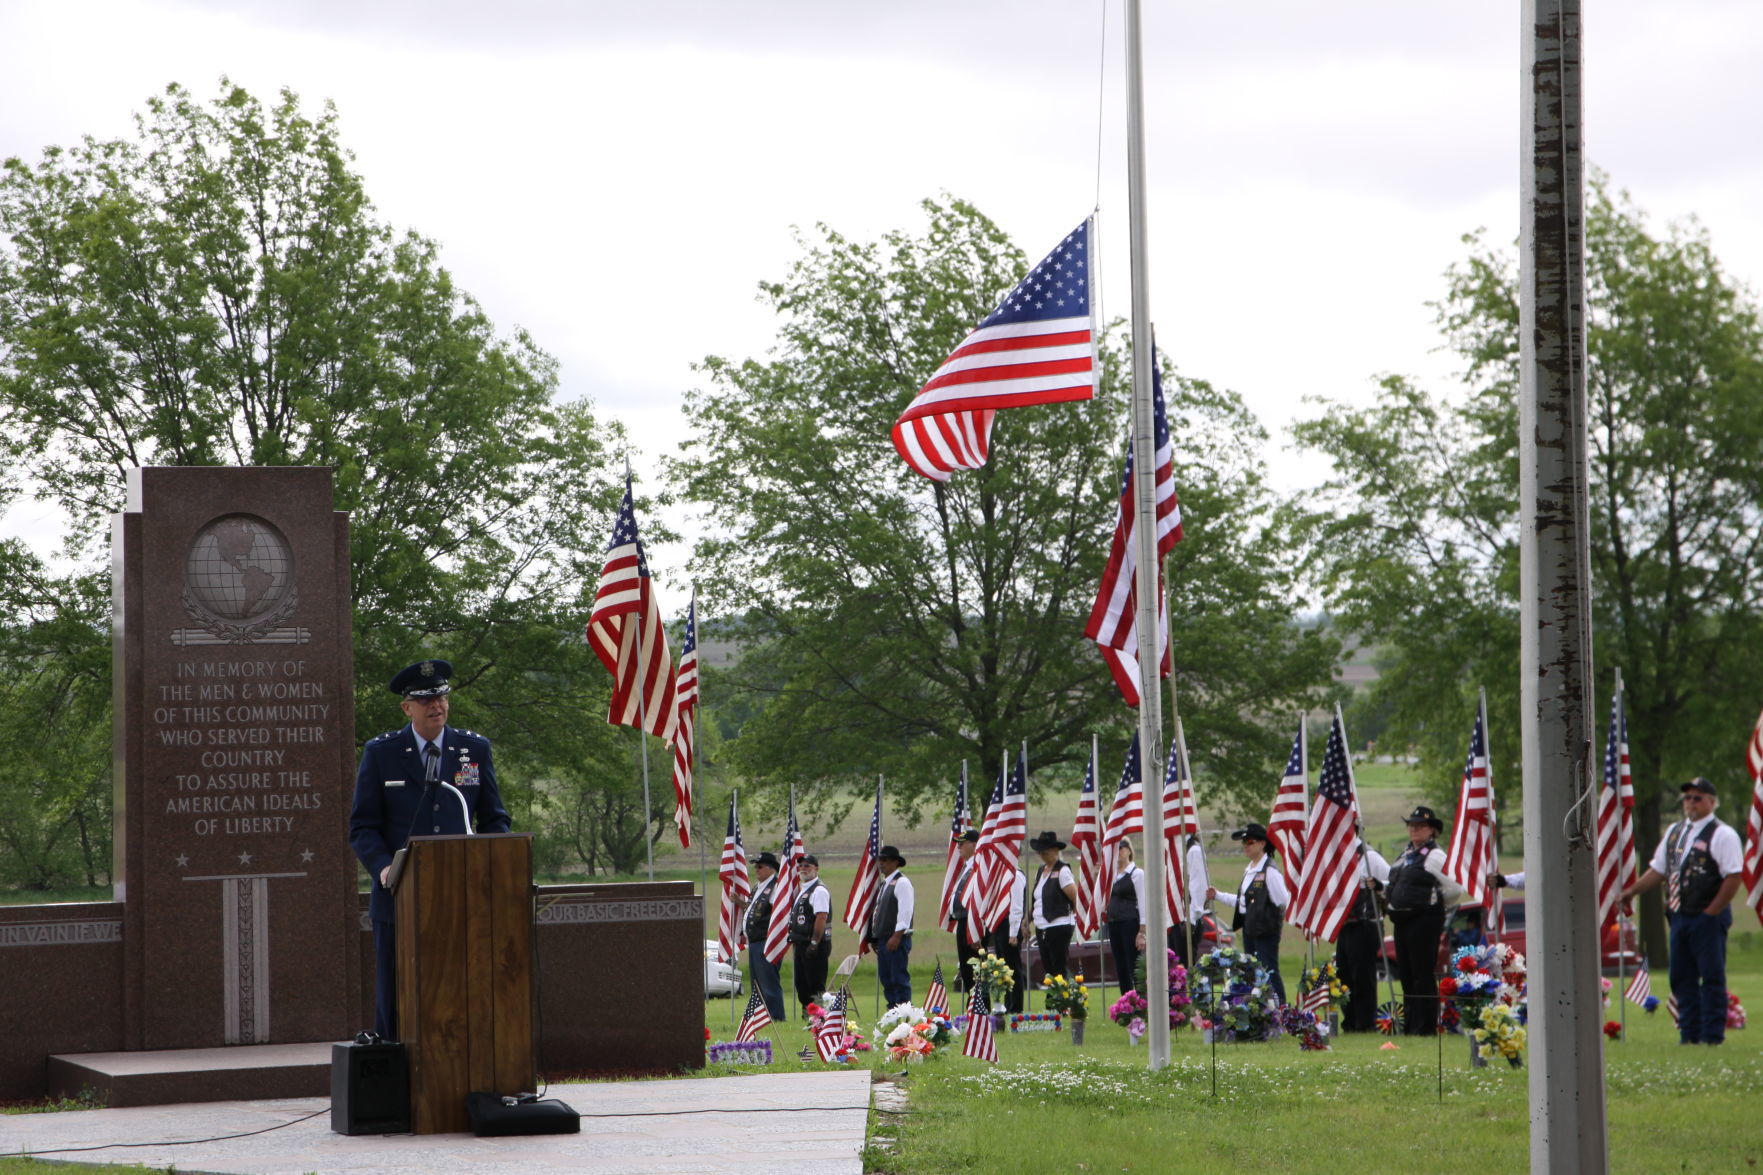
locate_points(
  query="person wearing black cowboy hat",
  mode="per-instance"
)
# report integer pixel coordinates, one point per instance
(1701, 860)
(1420, 896)
(758, 924)
(1260, 902)
(966, 948)
(428, 779)
(890, 927)
(1054, 895)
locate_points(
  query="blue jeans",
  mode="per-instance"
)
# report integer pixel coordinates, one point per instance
(890, 965)
(765, 978)
(1698, 975)
(1267, 951)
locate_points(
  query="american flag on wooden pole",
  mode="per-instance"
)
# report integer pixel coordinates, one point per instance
(1005, 846)
(755, 1019)
(1616, 851)
(1037, 347)
(1126, 816)
(783, 894)
(1291, 812)
(1471, 856)
(1113, 622)
(1752, 866)
(1331, 871)
(737, 886)
(685, 694)
(958, 826)
(1086, 841)
(979, 1042)
(860, 903)
(624, 630)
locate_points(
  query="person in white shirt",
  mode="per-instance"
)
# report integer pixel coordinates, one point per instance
(758, 925)
(1260, 903)
(1126, 914)
(1007, 944)
(890, 927)
(1700, 861)
(1054, 894)
(1420, 898)
(811, 945)
(1199, 908)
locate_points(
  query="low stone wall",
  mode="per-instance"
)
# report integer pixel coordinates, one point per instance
(61, 991)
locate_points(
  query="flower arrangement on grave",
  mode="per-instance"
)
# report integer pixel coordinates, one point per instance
(1650, 1004)
(1326, 976)
(1305, 1026)
(741, 1052)
(853, 1041)
(994, 973)
(1613, 1029)
(1482, 978)
(1604, 990)
(1037, 1022)
(1735, 1011)
(1069, 997)
(1500, 1034)
(910, 1034)
(1237, 995)
(1133, 1006)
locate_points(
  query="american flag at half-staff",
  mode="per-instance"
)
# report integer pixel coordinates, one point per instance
(1751, 867)
(685, 694)
(1616, 852)
(1126, 816)
(1113, 622)
(1092, 869)
(755, 1019)
(860, 903)
(958, 826)
(624, 630)
(938, 995)
(783, 894)
(1471, 856)
(1332, 870)
(1291, 813)
(829, 1036)
(737, 886)
(1037, 347)
(979, 1042)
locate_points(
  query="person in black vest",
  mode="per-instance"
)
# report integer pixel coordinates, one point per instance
(1007, 944)
(758, 925)
(1361, 938)
(1420, 895)
(890, 928)
(965, 948)
(811, 945)
(1126, 915)
(1699, 859)
(1054, 895)
(1260, 903)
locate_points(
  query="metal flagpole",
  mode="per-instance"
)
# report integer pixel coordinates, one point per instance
(643, 719)
(1495, 913)
(1106, 874)
(1568, 1131)
(734, 804)
(875, 900)
(1145, 532)
(692, 789)
(1616, 848)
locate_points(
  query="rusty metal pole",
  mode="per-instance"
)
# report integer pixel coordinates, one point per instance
(1567, 1123)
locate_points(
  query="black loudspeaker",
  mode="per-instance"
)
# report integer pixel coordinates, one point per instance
(495, 1116)
(370, 1089)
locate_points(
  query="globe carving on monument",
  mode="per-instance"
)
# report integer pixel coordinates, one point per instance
(240, 570)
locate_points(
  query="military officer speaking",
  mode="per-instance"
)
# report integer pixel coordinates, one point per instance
(429, 779)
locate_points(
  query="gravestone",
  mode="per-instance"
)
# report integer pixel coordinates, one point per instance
(234, 759)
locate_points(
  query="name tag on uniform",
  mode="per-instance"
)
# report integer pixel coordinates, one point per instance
(394, 783)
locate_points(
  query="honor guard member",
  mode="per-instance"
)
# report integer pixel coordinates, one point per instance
(890, 927)
(1126, 915)
(429, 779)
(1361, 939)
(1200, 918)
(809, 941)
(1260, 902)
(965, 948)
(1055, 896)
(1700, 860)
(1420, 895)
(1007, 941)
(765, 974)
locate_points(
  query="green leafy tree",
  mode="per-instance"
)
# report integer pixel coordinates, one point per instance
(894, 625)
(1417, 534)
(217, 290)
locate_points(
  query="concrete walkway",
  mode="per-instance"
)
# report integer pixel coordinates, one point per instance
(805, 1123)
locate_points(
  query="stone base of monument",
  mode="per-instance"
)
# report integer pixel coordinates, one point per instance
(242, 1072)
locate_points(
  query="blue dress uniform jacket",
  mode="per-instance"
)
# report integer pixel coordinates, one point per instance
(393, 802)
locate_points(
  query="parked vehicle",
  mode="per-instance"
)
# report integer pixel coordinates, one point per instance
(1095, 958)
(720, 978)
(1465, 928)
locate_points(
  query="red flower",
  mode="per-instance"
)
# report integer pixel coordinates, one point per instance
(1447, 986)
(707, 1034)
(1468, 964)
(1613, 1029)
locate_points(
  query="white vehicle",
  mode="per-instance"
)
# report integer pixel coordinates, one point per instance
(720, 978)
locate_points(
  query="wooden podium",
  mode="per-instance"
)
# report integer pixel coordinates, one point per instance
(465, 973)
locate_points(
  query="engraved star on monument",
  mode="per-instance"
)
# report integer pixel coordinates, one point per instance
(245, 858)
(306, 857)
(183, 861)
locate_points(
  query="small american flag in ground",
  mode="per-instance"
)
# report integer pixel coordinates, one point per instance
(1037, 347)
(1291, 814)
(1331, 872)
(938, 995)
(685, 694)
(979, 1042)
(755, 1019)
(1639, 988)
(624, 630)
(829, 1037)
(1671, 1006)
(1315, 1000)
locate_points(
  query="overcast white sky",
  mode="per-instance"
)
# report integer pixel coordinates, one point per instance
(616, 178)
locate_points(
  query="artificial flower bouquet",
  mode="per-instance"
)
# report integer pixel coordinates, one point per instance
(1327, 977)
(1501, 1034)
(740, 1052)
(1067, 996)
(910, 1034)
(1305, 1026)
(993, 973)
(1180, 1002)
(1237, 994)
(853, 1042)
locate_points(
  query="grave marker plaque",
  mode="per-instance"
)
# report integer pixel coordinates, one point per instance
(234, 758)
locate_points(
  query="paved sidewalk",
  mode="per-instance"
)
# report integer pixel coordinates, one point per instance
(807, 1123)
